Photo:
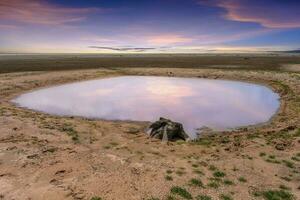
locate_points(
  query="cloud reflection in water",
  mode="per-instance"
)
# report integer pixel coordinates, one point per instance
(194, 102)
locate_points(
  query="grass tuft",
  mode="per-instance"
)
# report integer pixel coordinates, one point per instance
(169, 197)
(196, 182)
(181, 192)
(295, 158)
(225, 197)
(213, 184)
(219, 174)
(286, 178)
(96, 198)
(180, 173)
(289, 164)
(203, 197)
(262, 154)
(197, 171)
(169, 178)
(228, 182)
(70, 131)
(242, 179)
(212, 168)
(284, 187)
(277, 195)
(273, 161)
(195, 165)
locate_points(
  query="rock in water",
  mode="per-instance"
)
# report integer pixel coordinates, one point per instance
(167, 130)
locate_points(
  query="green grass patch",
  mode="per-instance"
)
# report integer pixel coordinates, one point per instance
(180, 172)
(284, 187)
(225, 197)
(295, 158)
(277, 195)
(224, 140)
(228, 182)
(170, 197)
(242, 179)
(181, 192)
(205, 141)
(197, 171)
(273, 161)
(253, 136)
(219, 174)
(169, 178)
(262, 154)
(196, 182)
(247, 157)
(70, 131)
(195, 165)
(96, 198)
(297, 134)
(289, 164)
(288, 136)
(284, 88)
(272, 156)
(203, 197)
(288, 179)
(213, 184)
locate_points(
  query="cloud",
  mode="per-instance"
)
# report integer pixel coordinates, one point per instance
(164, 42)
(8, 27)
(41, 12)
(138, 49)
(268, 13)
(225, 38)
(167, 39)
(97, 39)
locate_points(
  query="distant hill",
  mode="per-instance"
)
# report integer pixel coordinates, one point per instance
(287, 51)
(292, 51)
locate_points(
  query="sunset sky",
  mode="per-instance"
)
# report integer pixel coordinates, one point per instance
(156, 26)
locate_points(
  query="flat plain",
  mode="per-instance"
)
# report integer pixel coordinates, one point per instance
(51, 157)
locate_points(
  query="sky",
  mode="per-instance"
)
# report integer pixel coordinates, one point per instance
(156, 26)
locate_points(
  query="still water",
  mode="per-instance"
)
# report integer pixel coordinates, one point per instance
(194, 102)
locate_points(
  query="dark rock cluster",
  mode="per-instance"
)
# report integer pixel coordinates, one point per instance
(167, 130)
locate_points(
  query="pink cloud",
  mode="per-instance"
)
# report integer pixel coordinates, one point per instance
(167, 39)
(270, 14)
(41, 12)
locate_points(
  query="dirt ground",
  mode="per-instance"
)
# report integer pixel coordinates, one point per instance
(52, 157)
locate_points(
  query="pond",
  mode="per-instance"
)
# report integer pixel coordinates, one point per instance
(194, 102)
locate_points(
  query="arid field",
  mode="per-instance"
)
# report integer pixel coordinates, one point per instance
(51, 157)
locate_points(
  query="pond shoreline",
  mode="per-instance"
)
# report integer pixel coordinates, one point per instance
(171, 81)
(157, 72)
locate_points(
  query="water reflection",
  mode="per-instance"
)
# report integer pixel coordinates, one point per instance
(194, 102)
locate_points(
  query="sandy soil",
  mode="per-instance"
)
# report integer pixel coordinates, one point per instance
(51, 157)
